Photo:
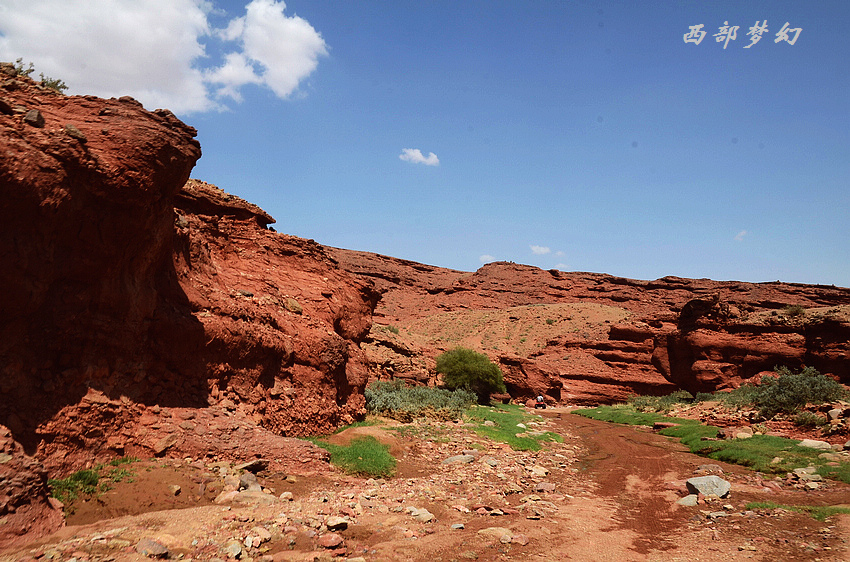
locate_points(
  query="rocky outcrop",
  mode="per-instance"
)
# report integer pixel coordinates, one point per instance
(131, 292)
(26, 513)
(672, 333)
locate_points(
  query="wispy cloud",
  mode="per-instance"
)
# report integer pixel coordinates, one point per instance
(740, 236)
(157, 51)
(414, 155)
(540, 250)
(486, 258)
(562, 267)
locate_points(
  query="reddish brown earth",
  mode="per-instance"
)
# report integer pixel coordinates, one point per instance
(607, 493)
(150, 315)
(587, 337)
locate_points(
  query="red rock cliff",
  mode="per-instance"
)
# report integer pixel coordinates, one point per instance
(128, 300)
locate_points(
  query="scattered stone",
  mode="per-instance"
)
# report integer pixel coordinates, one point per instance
(519, 539)
(539, 471)
(75, 133)
(544, 487)
(458, 526)
(174, 490)
(35, 118)
(249, 482)
(164, 444)
(330, 540)
(709, 486)
(459, 459)
(490, 461)
(336, 523)
(151, 548)
(815, 444)
(254, 466)
(490, 423)
(286, 496)
(232, 549)
(292, 306)
(689, 501)
(421, 514)
(835, 414)
(496, 533)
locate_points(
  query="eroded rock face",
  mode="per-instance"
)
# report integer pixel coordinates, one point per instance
(671, 333)
(128, 295)
(87, 218)
(26, 513)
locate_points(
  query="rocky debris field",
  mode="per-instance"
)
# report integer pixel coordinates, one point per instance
(605, 492)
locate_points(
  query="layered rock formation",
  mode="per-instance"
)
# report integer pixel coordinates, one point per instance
(695, 334)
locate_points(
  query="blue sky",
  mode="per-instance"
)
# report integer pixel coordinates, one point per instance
(584, 136)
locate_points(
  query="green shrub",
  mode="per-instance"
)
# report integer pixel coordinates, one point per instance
(704, 397)
(53, 83)
(550, 321)
(395, 399)
(46, 81)
(788, 392)
(20, 70)
(466, 369)
(794, 310)
(809, 419)
(741, 397)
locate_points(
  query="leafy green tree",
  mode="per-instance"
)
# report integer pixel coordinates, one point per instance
(464, 368)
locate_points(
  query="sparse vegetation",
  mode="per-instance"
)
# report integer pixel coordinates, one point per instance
(794, 311)
(82, 482)
(819, 512)
(363, 456)
(504, 429)
(91, 481)
(46, 81)
(764, 453)
(660, 403)
(394, 399)
(466, 369)
(809, 419)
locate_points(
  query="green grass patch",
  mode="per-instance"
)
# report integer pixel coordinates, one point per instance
(819, 512)
(363, 456)
(763, 453)
(90, 482)
(627, 414)
(505, 418)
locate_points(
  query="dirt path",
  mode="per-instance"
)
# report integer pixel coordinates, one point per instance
(639, 471)
(608, 493)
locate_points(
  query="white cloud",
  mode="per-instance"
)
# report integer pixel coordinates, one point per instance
(540, 250)
(562, 267)
(414, 155)
(560, 254)
(155, 51)
(740, 236)
(486, 258)
(277, 51)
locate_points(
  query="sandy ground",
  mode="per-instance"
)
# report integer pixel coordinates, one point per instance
(606, 493)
